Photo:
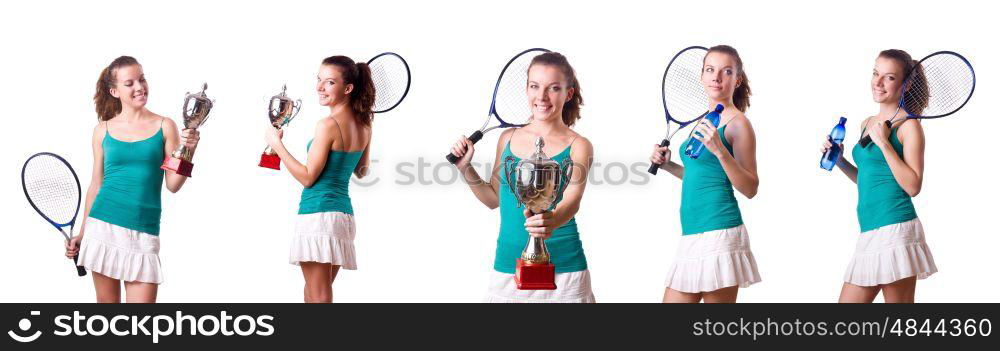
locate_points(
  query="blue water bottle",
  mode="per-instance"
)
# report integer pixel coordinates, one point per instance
(836, 137)
(695, 147)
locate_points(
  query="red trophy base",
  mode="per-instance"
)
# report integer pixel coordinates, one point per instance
(177, 165)
(535, 276)
(270, 161)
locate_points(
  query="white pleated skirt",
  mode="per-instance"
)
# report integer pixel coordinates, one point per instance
(890, 253)
(120, 253)
(324, 237)
(713, 260)
(571, 287)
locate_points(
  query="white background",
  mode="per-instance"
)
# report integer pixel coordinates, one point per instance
(225, 235)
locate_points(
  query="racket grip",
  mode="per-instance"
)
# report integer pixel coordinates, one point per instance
(473, 138)
(654, 167)
(80, 271)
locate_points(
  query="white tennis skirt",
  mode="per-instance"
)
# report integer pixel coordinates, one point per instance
(890, 253)
(713, 260)
(120, 253)
(324, 237)
(571, 287)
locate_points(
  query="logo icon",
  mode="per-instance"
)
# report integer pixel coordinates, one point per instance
(24, 325)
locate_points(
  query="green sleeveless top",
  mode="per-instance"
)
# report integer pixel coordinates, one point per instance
(565, 247)
(707, 200)
(881, 201)
(329, 192)
(130, 190)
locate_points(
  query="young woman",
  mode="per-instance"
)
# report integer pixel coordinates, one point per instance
(713, 258)
(553, 94)
(891, 253)
(119, 241)
(324, 231)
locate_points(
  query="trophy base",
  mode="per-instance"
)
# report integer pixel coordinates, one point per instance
(270, 161)
(177, 165)
(535, 276)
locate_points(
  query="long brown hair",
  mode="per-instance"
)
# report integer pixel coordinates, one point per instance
(571, 110)
(741, 97)
(106, 105)
(914, 80)
(362, 97)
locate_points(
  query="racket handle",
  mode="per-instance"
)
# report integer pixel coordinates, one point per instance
(473, 138)
(868, 138)
(654, 167)
(80, 271)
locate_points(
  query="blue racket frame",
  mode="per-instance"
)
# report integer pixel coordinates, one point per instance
(409, 78)
(59, 226)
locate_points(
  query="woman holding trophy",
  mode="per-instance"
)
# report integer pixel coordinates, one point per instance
(714, 258)
(529, 231)
(119, 241)
(323, 241)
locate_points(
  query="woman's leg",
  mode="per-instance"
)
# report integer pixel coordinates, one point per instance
(108, 289)
(139, 292)
(319, 281)
(900, 291)
(674, 296)
(851, 293)
(724, 295)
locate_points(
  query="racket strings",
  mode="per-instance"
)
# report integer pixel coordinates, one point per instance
(945, 86)
(51, 186)
(683, 94)
(392, 79)
(510, 103)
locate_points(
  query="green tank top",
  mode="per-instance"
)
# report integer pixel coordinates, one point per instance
(565, 247)
(881, 201)
(329, 192)
(130, 190)
(707, 200)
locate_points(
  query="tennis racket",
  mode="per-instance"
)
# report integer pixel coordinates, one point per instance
(53, 190)
(945, 86)
(510, 105)
(684, 98)
(391, 75)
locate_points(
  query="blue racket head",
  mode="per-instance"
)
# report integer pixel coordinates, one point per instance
(684, 98)
(510, 104)
(939, 86)
(52, 188)
(391, 75)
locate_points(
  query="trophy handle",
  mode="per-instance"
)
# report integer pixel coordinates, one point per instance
(508, 167)
(296, 107)
(566, 176)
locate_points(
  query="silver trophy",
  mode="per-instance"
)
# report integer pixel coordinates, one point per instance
(196, 109)
(281, 110)
(537, 183)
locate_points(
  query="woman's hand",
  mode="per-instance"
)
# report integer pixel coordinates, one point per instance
(878, 132)
(273, 136)
(464, 149)
(73, 246)
(539, 225)
(827, 144)
(189, 138)
(661, 155)
(709, 136)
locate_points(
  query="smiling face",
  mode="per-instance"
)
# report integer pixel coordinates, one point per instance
(548, 92)
(130, 86)
(331, 87)
(887, 80)
(719, 76)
